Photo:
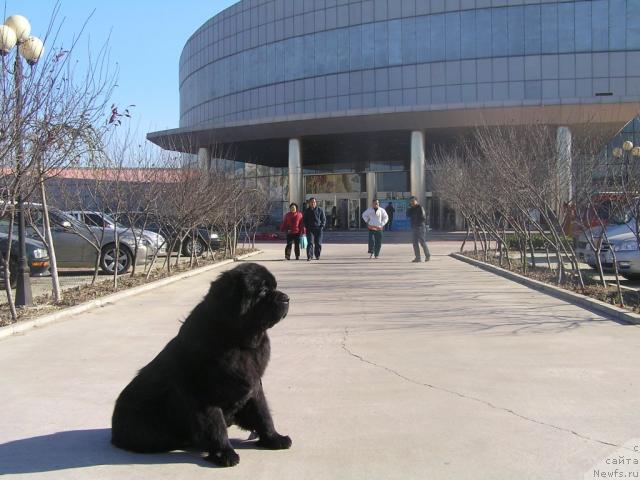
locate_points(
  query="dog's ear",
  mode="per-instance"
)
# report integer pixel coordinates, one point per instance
(231, 293)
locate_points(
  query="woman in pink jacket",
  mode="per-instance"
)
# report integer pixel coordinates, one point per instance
(292, 224)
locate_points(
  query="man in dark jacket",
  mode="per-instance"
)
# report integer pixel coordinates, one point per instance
(390, 211)
(314, 221)
(418, 229)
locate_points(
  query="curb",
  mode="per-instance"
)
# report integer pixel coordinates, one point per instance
(597, 306)
(21, 327)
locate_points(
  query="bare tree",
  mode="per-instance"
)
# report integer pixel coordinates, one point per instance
(47, 112)
(506, 179)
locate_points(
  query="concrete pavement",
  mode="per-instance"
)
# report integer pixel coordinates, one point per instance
(383, 369)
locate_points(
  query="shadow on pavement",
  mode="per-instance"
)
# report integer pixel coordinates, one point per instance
(85, 448)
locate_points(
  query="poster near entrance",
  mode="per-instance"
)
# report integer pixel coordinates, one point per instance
(400, 220)
(334, 183)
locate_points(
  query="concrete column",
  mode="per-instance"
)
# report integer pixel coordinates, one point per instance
(565, 178)
(418, 165)
(296, 179)
(204, 158)
(372, 188)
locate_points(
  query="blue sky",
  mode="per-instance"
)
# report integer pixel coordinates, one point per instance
(145, 41)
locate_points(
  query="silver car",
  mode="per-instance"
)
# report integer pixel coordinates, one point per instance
(100, 219)
(75, 243)
(627, 254)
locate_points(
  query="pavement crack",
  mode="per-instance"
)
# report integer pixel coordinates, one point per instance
(469, 397)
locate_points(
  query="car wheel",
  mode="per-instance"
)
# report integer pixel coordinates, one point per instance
(108, 260)
(197, 246)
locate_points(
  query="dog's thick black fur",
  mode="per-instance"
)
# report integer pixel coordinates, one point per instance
(209, 376)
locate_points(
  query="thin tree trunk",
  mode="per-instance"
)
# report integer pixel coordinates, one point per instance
(153, 260)
(546, 250)
(531, 247)
(53, 264)
(115, 269)
(96, 268)
(615, 268)
(7, 273)
(464, 242)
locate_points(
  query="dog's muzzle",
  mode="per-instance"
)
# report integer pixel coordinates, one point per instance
(282, 299)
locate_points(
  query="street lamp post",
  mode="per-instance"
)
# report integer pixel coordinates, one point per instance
(16, 33)
(625, 150)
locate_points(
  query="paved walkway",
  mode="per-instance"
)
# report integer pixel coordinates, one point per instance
(383, 369)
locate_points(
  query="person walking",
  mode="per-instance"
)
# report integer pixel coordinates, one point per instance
(390, 211)
(418, 220)
(375, 218)
(314, 220)
(293, 226)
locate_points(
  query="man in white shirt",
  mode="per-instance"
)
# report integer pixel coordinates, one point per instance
(375, 218)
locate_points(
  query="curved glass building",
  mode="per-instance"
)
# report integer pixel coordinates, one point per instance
(344, 99)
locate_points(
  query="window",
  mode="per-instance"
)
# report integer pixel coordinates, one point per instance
(393, 182)
(437, 38)
(516, 30)
(566, 28)
(452, 21)
(468, 28)
(549, 21)
(583, 27)
(395, 42)
(499, 32)
(483, 22)
(95, 220)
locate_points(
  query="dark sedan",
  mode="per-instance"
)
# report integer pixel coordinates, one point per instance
(203, 239)
(37, 257)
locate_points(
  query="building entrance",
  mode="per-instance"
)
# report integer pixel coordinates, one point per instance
(342, 213)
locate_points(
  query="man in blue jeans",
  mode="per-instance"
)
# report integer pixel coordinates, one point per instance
(376, 218)
(418, 230)
(314, 221)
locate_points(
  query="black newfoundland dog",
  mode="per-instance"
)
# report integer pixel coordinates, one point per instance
(209, 376)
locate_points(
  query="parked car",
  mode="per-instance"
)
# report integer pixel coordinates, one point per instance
(625, 247)
(203, 239)
(627, 253)
(73, 242)
(583, 250)
(37, 257)
(103, 220)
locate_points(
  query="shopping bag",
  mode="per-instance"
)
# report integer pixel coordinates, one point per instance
(303, 241)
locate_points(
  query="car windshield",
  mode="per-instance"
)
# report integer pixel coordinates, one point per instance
(34, 218)
(112, 221)
(58, 218)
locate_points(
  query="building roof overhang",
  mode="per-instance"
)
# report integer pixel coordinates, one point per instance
(439, 122)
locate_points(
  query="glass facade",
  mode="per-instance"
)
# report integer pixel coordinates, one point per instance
(355, 166)
(269, 58)
(273, 181)
(631, 131)
(263, 62)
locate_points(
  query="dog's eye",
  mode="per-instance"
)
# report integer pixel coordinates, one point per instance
(263, 292)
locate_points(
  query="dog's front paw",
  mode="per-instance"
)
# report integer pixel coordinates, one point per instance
(276, 442)
(224, 458)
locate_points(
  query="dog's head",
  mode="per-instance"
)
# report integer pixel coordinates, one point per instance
(249, 299)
